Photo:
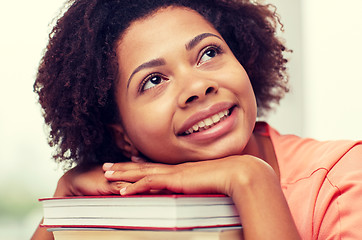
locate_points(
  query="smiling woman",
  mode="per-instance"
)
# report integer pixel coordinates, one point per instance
(80, 116)
(186, 76)
(169, 91)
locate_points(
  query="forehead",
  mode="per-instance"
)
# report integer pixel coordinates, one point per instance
(162, 19)
(161, 27)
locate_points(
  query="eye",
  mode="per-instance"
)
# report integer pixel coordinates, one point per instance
(152, 81)
(209, 53)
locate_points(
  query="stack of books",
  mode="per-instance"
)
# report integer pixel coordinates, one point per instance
(143, 217)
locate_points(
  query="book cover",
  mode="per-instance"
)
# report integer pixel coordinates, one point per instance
(227, 233)
(141, 212)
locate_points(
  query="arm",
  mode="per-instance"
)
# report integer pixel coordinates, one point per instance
(262, 206)
(42, 234)
(251, 183)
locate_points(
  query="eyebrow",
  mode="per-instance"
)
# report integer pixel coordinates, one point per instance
(196, 40)
(160, 61)
(153, 63)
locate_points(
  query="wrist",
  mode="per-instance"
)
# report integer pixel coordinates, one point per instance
(64, 185)
(249, 173)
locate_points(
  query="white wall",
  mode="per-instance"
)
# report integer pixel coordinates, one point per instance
(325, 78)
(332, 46)
(288, 116)
(26, 172)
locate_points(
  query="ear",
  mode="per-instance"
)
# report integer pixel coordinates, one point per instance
(122, 141)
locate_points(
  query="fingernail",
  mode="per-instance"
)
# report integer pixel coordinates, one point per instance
(136, 159)
(123, 191)
(107, 166)
(108, 173)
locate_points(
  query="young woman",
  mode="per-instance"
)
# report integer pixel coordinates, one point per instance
(175, 87)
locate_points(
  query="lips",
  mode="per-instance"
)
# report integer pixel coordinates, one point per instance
(206, 119)
(208, 122)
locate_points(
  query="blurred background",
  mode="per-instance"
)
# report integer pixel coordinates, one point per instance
(324, 101)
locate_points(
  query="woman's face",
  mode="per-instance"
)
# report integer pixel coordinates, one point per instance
(182, 94)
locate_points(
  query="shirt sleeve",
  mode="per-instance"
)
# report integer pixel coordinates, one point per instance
(338, 210)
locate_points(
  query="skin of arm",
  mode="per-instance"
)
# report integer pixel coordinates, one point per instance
(42, 234)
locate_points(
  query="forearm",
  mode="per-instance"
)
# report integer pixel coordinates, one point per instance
(262, 207)
(41, 233)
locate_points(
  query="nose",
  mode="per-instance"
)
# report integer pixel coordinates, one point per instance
(196, 89)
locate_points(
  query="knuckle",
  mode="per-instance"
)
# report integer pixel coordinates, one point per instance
(148, 179)
(149, 168)
(144, 167)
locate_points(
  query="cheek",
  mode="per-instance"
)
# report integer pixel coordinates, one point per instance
(149, 124)
(243, 89)
(248, 101)
(239, 83)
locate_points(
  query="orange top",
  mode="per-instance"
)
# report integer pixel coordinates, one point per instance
(322, 182)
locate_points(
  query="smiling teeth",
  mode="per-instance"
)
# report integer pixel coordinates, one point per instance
(208, 122)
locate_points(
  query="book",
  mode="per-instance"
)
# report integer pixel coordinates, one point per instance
(161, 212)
(227, 233)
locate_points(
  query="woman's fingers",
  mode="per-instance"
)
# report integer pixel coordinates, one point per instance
(115, 187)
(194, 177)
(149, 183)
(129, 176)
(132, 172)
(125, 166)
(187, 181)
(78, 182)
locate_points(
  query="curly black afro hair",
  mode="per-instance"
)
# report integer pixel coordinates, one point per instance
(77, 75)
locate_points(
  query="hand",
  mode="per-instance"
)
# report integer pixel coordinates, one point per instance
(212, 176)
(78, 182)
